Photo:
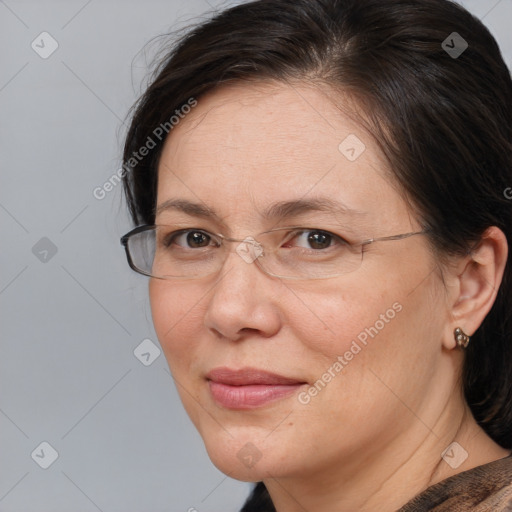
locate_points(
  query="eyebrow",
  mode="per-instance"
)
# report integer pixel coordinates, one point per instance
(280, 210)
(188, 207)
(286, 209)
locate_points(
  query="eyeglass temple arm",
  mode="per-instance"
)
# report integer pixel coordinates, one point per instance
(394, 237)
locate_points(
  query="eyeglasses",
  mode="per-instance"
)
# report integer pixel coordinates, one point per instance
(171, 252)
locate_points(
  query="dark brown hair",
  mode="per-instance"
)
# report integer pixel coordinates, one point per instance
(443, 120)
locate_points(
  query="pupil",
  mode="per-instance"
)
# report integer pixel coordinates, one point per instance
(318, 240)
(197, 239)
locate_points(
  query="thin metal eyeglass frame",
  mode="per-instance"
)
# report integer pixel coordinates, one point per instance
(139, 229)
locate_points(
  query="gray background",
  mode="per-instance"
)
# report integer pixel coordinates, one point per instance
(71, 319)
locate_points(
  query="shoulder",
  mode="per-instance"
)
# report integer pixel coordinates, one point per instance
(486, 488)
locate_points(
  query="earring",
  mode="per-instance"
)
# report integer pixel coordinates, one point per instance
(461, 337)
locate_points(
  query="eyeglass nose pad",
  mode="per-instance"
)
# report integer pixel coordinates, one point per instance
(249, 249)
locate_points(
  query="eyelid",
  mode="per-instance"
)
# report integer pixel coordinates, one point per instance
(301, 229)
(330, 230)
(337, 240)
(170, 237)
(182, 226)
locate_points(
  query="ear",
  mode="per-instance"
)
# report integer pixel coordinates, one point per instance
(476, 279)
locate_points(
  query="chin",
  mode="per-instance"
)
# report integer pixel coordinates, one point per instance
(246, 468)
(246, 457)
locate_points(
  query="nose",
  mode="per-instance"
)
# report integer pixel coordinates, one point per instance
(243, 301)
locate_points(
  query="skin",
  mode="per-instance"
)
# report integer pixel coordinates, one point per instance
(372, 438)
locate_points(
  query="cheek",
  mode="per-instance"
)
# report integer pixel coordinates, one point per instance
(329, 318)
(359, 328)
(177, 318)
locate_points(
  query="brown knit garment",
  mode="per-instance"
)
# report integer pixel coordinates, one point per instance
(486, 488)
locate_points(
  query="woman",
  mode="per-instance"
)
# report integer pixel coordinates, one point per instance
(319, 187)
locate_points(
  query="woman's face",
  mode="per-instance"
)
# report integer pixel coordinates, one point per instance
(288, 377)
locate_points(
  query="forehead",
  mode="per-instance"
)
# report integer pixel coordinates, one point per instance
(245, 146)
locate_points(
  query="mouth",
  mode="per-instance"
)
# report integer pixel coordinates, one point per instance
(249, 388)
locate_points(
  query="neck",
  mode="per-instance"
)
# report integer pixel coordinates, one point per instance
(387, 476)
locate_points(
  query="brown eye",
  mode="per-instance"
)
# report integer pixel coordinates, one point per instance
(319, 239)
(313, 239)
(197, 239)
(188, 239)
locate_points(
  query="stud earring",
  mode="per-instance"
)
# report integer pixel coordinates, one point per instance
(461, 337)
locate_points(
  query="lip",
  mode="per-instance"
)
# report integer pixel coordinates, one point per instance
(249, 388)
